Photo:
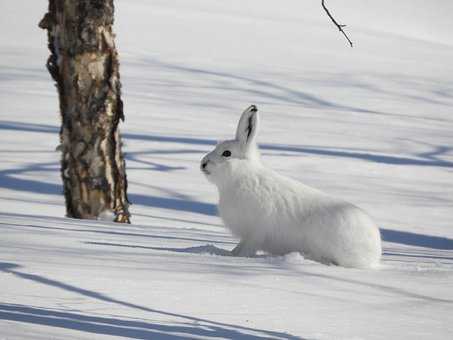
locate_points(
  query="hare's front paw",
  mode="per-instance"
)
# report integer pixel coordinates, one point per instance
(244, 249)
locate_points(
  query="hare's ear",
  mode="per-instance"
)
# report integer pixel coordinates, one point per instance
(248, 126)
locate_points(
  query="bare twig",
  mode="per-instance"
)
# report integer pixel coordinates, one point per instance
(340, 27)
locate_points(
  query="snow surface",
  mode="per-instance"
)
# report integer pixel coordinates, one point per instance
(372, 124)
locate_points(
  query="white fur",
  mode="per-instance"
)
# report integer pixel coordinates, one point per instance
(279, 215)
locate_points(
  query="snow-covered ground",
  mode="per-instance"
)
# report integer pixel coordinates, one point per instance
(373, 124)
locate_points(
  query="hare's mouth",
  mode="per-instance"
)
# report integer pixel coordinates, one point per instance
(205, 171)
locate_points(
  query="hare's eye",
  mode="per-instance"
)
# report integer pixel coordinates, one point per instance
(226, 153)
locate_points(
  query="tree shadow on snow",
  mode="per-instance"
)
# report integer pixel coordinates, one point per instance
(9, 180)
(431, 158)
(118, 233)
(414, 239)
(174, 204)
(116, 326)
(182, 326)
(269, 89)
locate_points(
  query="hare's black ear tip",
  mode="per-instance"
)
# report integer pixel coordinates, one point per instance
(253, 108)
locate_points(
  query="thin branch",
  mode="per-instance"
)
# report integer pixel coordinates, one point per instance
(339, 26)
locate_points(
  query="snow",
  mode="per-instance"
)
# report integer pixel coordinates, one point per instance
(372, 124)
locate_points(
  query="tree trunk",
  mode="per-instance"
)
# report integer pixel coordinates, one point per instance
(84, 64)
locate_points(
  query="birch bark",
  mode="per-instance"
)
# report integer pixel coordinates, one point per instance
(84, 63)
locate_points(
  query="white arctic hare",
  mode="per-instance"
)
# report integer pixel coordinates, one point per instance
(276, 214)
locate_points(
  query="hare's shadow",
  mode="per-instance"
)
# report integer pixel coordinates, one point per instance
(208, 249)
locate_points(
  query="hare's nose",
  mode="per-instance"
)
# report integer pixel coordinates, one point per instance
(204, 164)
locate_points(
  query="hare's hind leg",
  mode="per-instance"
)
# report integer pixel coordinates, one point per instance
(244, 249)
